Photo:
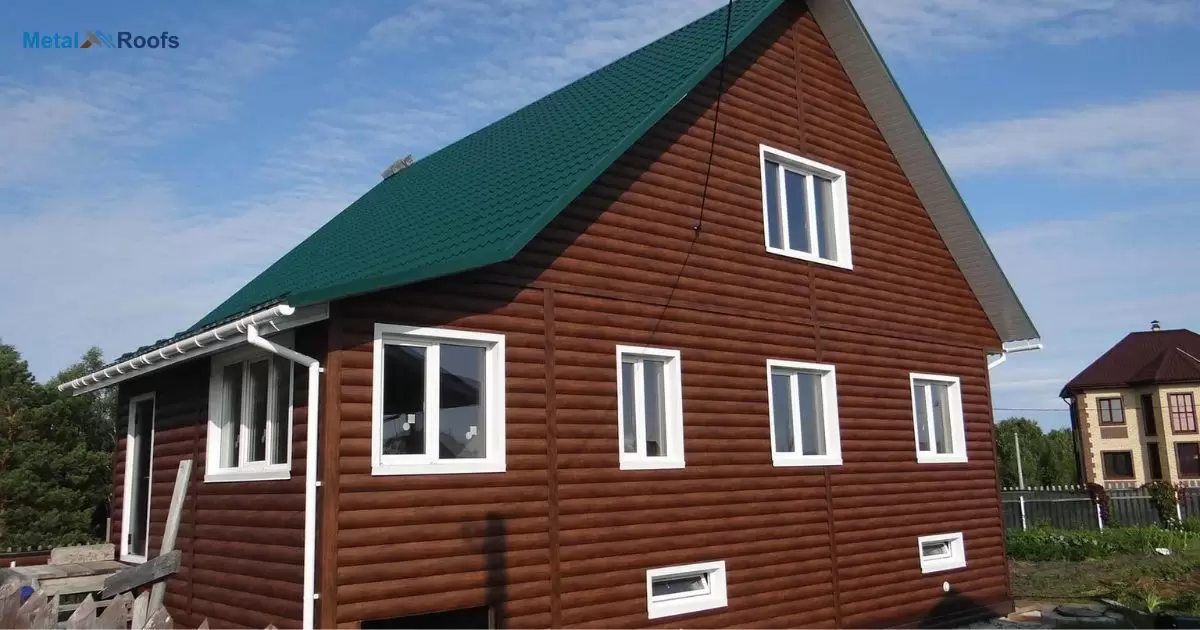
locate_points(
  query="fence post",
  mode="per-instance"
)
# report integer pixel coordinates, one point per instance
(1099, 516)
(1024, 527)
(1179, 510)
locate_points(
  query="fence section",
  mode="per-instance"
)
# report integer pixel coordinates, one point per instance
(1071, 507)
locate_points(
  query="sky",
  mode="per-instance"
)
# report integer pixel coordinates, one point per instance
(140, 188)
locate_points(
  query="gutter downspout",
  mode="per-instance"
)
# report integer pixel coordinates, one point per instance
(1005, 351)
(311, 483)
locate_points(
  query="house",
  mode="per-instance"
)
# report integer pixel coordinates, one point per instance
(700, 339)
(1133, 410)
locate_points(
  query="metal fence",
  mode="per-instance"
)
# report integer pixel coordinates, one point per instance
(1071, 507)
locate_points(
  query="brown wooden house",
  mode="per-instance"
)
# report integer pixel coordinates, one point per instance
(700, 339)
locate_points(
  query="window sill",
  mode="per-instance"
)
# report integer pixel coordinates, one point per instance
(266, 474)
(445, 467)
(132, 559)
(799, 255)
(791, 459)
(941, 458)
(948, 564)
(656, 463)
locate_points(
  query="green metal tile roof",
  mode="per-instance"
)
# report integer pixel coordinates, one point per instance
(480, 200)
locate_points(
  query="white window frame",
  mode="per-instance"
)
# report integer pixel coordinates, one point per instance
(958, 437)
(673, 394)
(494, 397)
(715, 596)
(829, 414)
(956, 559)
(214, 471)
(840, 210)
(127, 496)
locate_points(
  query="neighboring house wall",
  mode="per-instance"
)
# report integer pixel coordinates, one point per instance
(564, 537)
(1099, 438)
(242, 543)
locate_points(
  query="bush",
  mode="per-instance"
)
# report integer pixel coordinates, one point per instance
(1041, 544)
(1192, 524)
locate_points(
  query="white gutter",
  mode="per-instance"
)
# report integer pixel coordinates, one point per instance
(176, 352)
(310, 464)
(1025, 346)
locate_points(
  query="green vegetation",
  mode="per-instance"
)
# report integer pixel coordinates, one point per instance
(1047, 459)
(1119, 563)
(55, 456)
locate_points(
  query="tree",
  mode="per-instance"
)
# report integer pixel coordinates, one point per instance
(56, 457)
(1046, 459)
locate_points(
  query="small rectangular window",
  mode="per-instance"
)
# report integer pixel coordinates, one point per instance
(1111, 411)
(650, 408)
(805, 209)
(938, 418)
(803, 413)
(1149, 418)
(1182, 408)
(437, 401)
(1117, 464)
(941, 552)
(685, 589)
(250, 415)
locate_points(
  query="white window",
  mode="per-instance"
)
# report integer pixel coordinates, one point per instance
(941, 552)
(804, 414)
(437, 402)
(649, 408)
(250, 415)
(139, 465)
(805, 211)
(686, 588)
(938, 418)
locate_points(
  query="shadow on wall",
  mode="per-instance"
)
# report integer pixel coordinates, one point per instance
(953, 610)
(495, 545)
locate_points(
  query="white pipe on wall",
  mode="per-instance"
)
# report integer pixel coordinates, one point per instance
(310, 464)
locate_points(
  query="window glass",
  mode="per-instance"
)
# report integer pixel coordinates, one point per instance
(461, 422)
(404, 400)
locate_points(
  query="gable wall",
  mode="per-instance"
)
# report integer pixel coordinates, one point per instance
(564, 537)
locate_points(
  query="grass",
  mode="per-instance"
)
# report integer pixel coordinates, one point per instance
(1139, 579)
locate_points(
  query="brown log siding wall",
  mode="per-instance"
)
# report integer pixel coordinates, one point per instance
(242, 543)
(804, 546)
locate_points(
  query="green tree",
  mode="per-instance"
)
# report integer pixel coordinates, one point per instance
(1058, 463)
(56, 456)
(1032, 445)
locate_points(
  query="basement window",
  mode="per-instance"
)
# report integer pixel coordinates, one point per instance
(649, 408)
(684, 589)
(941, 552)
(803, 414)
(437, 403)
(805, 208)
(938, 418)
(250, 415)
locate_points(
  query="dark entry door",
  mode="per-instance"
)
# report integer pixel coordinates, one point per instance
(138, 471)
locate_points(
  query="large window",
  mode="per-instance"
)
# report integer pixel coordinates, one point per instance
(805, 211)
(938, 418)
(250, 416)
(437, 401)
(803, 413)
(1111, 411)
(1117, 464)
(1187, 459)
(649, 408)
(1182, 408)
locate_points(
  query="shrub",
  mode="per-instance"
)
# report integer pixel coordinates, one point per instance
(1042, 544)
(1192, 524)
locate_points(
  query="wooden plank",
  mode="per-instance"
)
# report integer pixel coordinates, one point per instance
(203, 624)
(10, 602)
(160, 620)
(35, 612)
(81, 553)
(79, 584)
(145, 573)
(174, 514)
(116, 614)
(84, 617)
(138, 614)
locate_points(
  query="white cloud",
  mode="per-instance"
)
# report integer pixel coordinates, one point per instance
(1087, 283)
(920, 28)
(1155, 136)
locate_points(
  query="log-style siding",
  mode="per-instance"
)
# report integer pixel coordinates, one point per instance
(564, 537)
(242, 543)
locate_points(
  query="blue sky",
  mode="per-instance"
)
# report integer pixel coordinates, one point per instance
(139, 188)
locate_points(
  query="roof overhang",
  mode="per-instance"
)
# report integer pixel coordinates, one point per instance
(852, 44)
(268, 321)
